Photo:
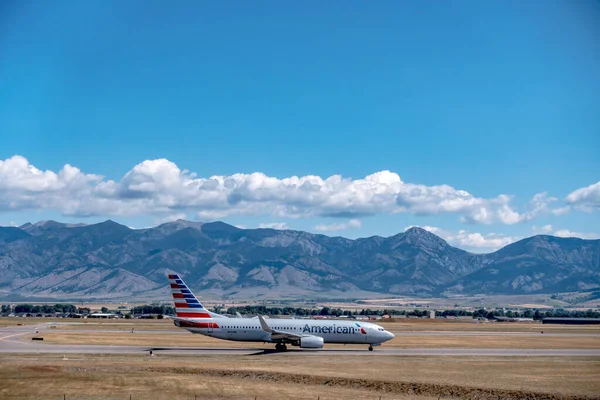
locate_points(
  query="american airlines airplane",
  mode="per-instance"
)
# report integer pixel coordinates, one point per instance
(191, 315)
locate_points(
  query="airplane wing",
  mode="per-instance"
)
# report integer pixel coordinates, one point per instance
(278, 335)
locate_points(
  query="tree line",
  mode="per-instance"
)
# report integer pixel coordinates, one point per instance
(336, 312)
(307, 312)
(153, 309)
(44, 309)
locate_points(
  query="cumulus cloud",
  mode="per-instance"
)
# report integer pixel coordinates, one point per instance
(472, 240)
(352, 224)
(490, 241)
(160, 187)
(586, 199)
(274, 225)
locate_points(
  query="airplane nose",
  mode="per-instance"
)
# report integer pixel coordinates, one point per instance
(389, 335)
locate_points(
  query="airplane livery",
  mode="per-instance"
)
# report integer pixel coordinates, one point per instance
(191, 315)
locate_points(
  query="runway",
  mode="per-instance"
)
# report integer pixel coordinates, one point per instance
(10, 342)
(395, 331)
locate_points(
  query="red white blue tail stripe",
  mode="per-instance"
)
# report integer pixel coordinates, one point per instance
(186, 304)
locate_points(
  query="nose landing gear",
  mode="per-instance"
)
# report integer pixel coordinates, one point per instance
(370, 348)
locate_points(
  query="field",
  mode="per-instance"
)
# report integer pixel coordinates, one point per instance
(297, 376)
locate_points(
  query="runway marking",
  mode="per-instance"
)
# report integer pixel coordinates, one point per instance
(16, 334)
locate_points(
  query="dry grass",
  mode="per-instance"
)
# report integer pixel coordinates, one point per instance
(151, 379)
(459, 326)
(293, 377)
(193, 340)
(399, 325)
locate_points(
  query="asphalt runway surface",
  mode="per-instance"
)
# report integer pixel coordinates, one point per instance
(10, 342)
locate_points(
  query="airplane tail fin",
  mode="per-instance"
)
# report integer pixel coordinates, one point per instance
(186, 304)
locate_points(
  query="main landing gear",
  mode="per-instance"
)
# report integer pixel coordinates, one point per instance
(280, 347)
(370, 348)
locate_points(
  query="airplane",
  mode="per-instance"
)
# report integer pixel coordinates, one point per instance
(190, 314)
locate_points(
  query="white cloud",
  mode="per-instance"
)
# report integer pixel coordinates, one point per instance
(587, 198)
(472, 240)
(582, 235)
(10, 223)
(538, 205)
(274, 225)
(544, 230)
(159, 187)
(490, 241)
(428, 228)
(561, 210)
(170, 218)
(352, 224)
(549, 230)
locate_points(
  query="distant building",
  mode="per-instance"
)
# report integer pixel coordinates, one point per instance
(147, 316)
(571, 321)
(509, 319)
(102, 315)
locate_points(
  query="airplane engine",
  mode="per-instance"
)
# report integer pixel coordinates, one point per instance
(311, 342)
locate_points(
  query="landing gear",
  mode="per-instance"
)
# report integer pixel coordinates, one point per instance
(280, 347)
(370, 348)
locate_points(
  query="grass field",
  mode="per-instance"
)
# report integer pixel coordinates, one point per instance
(411, 324)
(292, 376)
(191, 340)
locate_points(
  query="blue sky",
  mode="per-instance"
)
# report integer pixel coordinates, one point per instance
(489, 98)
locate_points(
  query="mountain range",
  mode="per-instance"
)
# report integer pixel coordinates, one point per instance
(107, 260)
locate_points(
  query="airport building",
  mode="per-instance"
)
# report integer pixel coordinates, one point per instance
(571, 321)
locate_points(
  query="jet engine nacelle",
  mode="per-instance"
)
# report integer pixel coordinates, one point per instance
(311, 342)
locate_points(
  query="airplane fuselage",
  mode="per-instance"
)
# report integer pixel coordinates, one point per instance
(250, 330)
(190, 314)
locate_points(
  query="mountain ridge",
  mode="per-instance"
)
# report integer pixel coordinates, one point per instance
(108, 260)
